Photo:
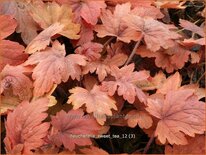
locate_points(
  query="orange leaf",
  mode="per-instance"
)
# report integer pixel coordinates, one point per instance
(113, 24)
(13, 78)
(26, 25)
(125, 83)
(142, 118)
(11, 53)
(103, 67)
(52, 67)
(155, 33)
(195, 145)
(96, 101)
(179, 113)
(24, 126)
(7, 26)
(47, 14)
(89, 10)
(44, 38)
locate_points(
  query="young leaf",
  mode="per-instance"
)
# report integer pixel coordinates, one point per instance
(125, 83)
(24, 126)
(95, 100)
(142, 118)
(73, 128)
(179, 113)
(52, 67)
(103, 67)
(90, 50)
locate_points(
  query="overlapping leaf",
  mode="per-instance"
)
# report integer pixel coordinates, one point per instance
(52, 67)
(113, 24)
(47, 14)
(13, 79)
(179, 113)
(73, 128)
(125, 83)
(89, 10)
(96, 101)
(25, 130)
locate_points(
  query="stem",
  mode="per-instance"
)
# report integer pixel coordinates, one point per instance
(133, 52)
(149, 143)
(201, 77)
(106, 43)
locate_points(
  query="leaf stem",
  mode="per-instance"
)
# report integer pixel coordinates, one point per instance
(133, 52)
(149, 143)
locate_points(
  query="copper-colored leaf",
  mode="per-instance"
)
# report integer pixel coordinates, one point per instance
(52, 67)
(19, 10)
(13, 77)
(96, 101)
(179, 113)
(47, 14)
(195, 145)
(24, 126)
(142, 118)
(89, 10)
(44, 38)
(155, 33)
(103, 67)
(125, 83)
(73, 128)
(11, 53)
(113, 24)
(7, 26)
(91, 50)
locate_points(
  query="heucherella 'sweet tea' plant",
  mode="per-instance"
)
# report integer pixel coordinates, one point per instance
(70, 68)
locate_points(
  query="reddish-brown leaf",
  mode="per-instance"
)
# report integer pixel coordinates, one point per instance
(192, 27)
(24, 127)
(73, 128)
(173, 58)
